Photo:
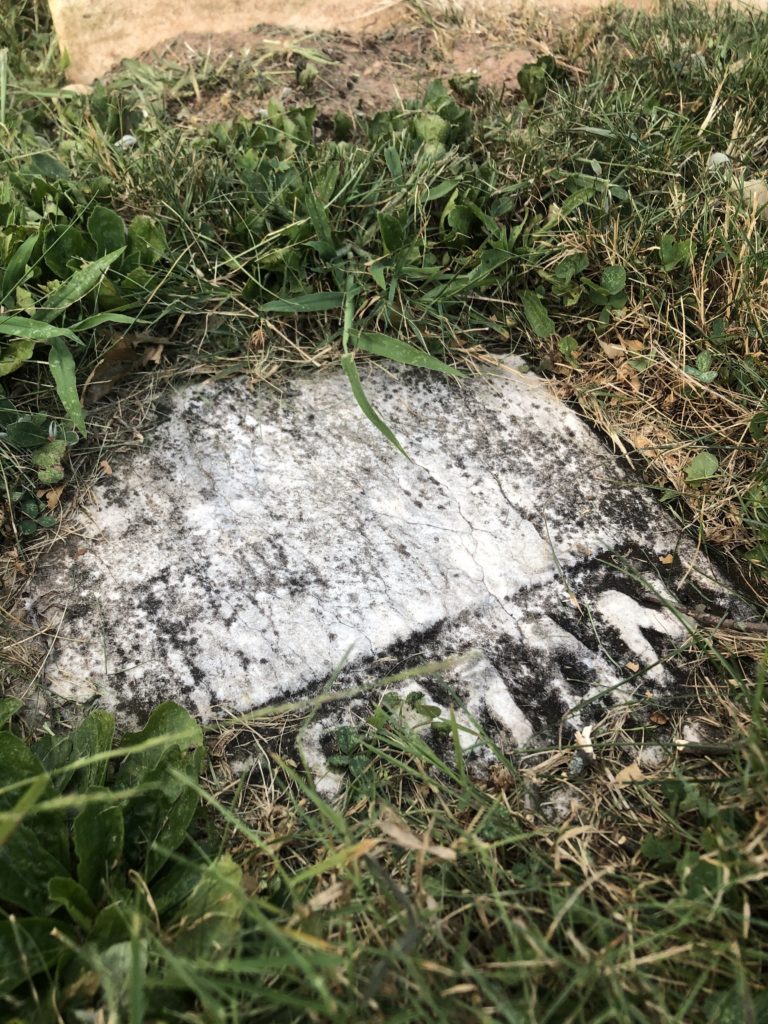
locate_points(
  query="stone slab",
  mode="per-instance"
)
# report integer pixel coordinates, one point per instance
(259, 538)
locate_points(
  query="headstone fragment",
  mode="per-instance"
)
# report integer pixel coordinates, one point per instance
(260, 539)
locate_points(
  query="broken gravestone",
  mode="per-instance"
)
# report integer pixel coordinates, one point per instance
(260, 540)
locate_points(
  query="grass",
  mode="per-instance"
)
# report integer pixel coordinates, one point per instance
(234, 228)
(425, 893)
(581, 224)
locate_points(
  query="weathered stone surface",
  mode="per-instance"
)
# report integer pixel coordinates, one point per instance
(259, 537)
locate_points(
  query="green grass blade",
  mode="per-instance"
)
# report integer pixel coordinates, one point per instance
(348, 364)
(314, 302)
(402, 352)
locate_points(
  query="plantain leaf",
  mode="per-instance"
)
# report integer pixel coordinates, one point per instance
(391, 231)
(98, 834)
(701, 467)
(613, 279)
(92, 737)
(32, 330)
(169, 725)
(17, 265)
(67, 893)
(15, 354)
(8, 708)
(209, 919)
(539, 319)
(146, 241)
(107, 230)
(19, 768)
(157, 822)
(62, 366)
(28, 432)
(401, 352)
(77, 287)
(675, 252)
(64, 244)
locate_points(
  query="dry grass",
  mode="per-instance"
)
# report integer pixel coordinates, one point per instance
(660, 417)
(571, 876)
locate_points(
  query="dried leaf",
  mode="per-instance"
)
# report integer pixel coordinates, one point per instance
(642, 443)
(402, 836)
(633, 666)
(118, 362)
(313, 941)
(667, 559)
(632, 773)
(153, 354)
(53, 496)
(330, 896)
(105, 467)
(612, 351)
(77, 89)
(630, 376)
(257, 340)
(658, 718)
(463, 988)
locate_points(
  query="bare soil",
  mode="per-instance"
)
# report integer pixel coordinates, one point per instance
(334, 71)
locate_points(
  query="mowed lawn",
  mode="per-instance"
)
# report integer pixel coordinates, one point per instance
(608, 222)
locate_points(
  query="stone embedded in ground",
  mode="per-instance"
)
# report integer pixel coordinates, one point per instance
(260, 537)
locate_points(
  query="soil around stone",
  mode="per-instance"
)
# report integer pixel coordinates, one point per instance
(351, 74)
(97, 34)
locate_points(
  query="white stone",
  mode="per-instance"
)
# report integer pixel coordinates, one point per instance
(260, 538)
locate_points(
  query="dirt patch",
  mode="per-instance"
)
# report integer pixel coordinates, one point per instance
(97, 34)
(496, 64)
(334, 71)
